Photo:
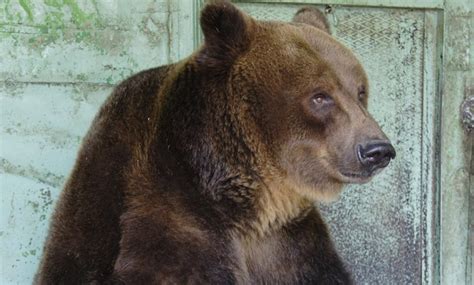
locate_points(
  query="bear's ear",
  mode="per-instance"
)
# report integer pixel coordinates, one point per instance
(225, 29)
(314, 17)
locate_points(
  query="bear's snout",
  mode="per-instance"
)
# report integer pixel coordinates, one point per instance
(376, 154)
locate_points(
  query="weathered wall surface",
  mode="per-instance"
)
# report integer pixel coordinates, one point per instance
(59, 59)
(457, 147)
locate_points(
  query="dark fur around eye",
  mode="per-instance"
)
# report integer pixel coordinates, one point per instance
(317, 108)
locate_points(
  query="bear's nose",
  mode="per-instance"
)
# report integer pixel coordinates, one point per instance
(375, 154)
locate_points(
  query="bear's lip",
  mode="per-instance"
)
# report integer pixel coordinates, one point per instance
(357, 177)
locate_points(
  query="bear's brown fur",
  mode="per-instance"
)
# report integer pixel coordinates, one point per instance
(206, 171)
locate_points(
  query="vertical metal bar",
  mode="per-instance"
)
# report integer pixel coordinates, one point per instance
(197, 6)
(430, 146)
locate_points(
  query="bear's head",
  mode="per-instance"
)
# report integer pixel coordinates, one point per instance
(298, 96)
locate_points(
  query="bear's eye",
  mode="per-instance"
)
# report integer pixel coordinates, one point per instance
(361, 95)
(318, 106)
(321, 99)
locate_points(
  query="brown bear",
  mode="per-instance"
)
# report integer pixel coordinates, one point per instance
(206, 171)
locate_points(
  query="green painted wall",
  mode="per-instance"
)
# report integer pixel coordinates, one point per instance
(59, 59)
(456, 147)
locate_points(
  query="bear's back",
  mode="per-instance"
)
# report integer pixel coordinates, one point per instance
(91, 232)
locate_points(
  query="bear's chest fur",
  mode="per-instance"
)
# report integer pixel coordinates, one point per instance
(298, 253)
(266, 259)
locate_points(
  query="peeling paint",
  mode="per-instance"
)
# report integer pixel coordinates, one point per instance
(34, 205)
(129, 38)
(59, 21)
(46, 178)
(26, 5)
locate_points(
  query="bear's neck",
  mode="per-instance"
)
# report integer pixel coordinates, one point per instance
(276, 206)
(199, 138)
